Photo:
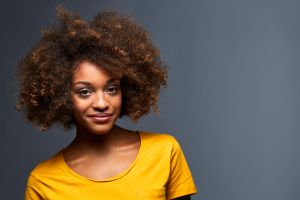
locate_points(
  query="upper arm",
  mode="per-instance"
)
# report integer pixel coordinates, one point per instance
(33, 189)
(187, 197)
(180, 184)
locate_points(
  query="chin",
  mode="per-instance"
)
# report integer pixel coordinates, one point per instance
(94, 127)
(100, 128)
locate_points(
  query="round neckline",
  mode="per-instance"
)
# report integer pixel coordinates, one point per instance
(113, 178)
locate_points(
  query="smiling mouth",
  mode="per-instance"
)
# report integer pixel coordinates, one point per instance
(101, 118)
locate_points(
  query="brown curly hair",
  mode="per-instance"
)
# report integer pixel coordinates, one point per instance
(113, 41)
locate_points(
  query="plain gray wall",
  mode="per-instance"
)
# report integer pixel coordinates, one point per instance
(232, 100)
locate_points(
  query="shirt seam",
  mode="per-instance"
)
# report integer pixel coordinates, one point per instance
(181, 192)
(41, 183)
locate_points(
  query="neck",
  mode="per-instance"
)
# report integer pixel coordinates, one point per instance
(87, 141)
(85, 138)
(85, 135)
(92, 144)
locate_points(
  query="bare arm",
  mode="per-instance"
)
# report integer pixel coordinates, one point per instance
(187, 197)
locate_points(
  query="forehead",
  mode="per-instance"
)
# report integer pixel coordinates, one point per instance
(90, 72)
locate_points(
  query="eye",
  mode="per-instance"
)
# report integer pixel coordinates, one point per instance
(112, 89)
(85, 92)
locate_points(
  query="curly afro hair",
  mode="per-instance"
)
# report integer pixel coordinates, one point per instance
(114, 42)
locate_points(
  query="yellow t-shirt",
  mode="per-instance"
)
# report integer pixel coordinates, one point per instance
(159, 172)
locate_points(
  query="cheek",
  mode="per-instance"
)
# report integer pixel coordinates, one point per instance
(79, 106)
(118, 102)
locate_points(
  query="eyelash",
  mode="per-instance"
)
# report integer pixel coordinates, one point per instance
(85, 92)
(114, 88)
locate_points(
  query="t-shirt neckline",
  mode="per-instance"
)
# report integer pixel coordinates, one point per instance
(113, 178)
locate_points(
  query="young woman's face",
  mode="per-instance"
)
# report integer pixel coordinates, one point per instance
(97, 98)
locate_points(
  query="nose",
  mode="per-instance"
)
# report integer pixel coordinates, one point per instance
(100, 102)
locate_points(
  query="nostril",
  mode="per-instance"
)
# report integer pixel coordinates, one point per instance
(100, 109)
(100, 103)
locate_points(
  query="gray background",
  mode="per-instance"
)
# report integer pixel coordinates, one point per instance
(232, 101)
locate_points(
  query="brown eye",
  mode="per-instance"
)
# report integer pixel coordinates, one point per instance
(84, 92)
(112, 89)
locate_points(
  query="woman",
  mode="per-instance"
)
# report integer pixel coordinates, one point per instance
(88, 74)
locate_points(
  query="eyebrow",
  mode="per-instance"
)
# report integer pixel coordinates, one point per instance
(88, 83)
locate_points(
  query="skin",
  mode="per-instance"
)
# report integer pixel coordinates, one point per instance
(100, 149)
(94, 92)
(187, 197)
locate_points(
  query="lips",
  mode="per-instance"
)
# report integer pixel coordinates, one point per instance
(101, 117)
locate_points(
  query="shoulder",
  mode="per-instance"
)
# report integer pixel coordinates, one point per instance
(49, 165)
(41, 174)
(158, 137)
(160, 141)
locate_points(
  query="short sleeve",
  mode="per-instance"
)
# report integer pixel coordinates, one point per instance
(180, 181)
(34, 189)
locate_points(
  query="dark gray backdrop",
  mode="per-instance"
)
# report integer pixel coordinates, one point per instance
(232, 101)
